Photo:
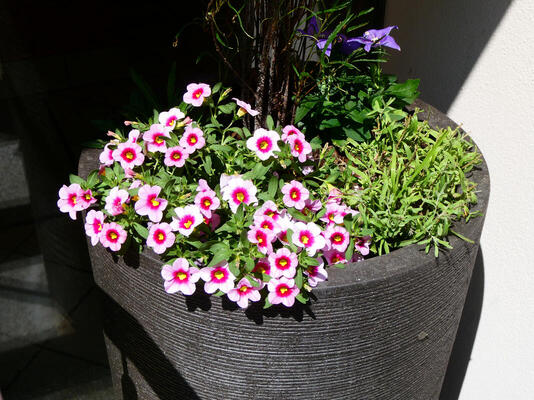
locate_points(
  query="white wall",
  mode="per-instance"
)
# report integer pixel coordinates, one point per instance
(476, 61)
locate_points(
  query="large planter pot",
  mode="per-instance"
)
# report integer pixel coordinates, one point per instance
(380, 329)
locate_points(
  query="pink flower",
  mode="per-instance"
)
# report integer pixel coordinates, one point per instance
(169, 118)
(316, 273)
(237, 191)
(263, 238)
(116, 200)
(176, 156)
(312, 206)
(243, 292)
(334, 195)
(129, 154)
(267, 223)
(264, 143)
(87, 199)
(299, 147)
(295, 195)
(283, 263)
(308, 236)
(244, 108)
(334, 213)
(335, 257)
(94, 224)
(187, 219)
(106, 157)
(192, 139)
(180, 277)
(307, 169)
(113, 236)
(213, 222)
(70, 199)
(337, 237)
(203, 186)
(262, 266)
(207, 202)
(362, 245)
(289, 131)
(196, 92)
(133, 136)
(155, 138)
(285, 222)
(160, 237)
(135, 184)
(283, 291)
(217, 277)
(268, 209)
(149, 203)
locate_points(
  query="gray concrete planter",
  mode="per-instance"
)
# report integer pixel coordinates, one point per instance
(380, 329)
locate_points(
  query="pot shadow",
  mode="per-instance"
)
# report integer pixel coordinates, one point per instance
(465, 336)
(139, 360)
(255, 312)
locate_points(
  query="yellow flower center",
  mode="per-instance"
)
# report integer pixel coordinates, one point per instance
(283, 262)
(266, 226)
(154, 202)
(193, 139)
(158, 139)
(161, 236)
(219, 274)
(305, 239)
(337, 238)
(264, 144)
(73, 199)
(243, 289)
(176, 156)
(113, 235)
(240, 196)
(269, 213)
(188, 223)
(294, 194)
(181, 275)
(297, 146)
(207, 203)
(87, 196)
(129, 155)
(283, 290)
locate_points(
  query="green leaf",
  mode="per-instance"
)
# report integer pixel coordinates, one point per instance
(305, 107)
(216, 87)
(141, 230)
(407, 91)
(93, 179)
(76, 179)
(227, 108)
(270, 123)
(299, 278)
(207, 165)
(301, 298)
(329, 123)
(273, 186)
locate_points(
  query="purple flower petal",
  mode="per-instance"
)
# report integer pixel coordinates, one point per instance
(388, 41)
(321, 43)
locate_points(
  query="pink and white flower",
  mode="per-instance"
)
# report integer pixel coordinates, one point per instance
(115, 201)
(237, 191)
(180, 277)
(268, 209)
(175, 156)
(262, 266)
(203, 186)
(308, 236)
(282, 290)
(155, 138)
(70, 199)
(337, 237)
(217, 277)
(300, 148)
(334, 213)
(187, 219)
(316, 273)
(94, 224)
(129, 154)
(295, 195)
(312, 206)
(334, 196)
(362, 245)
(207, 202)
(133, 136)
(263, 238)
(244, 108)
(264, 143)
(243, 292)
(169, 118)
(87, 198)
(335, 257)
(149, 203)
(160, 237)
(192, 139)
(267, 223)
(283, 263)
(285, 222)
(196, 92)
(113, 236)
(289, 131)
(106, 157)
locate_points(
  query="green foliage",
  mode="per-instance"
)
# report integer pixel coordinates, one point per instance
(413, 184)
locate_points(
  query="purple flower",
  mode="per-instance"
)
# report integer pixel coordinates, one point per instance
(375, 38)
(312, 30)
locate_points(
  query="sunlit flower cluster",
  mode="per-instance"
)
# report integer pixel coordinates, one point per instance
(229, 212)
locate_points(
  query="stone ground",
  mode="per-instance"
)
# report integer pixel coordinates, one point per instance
(48, 351)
